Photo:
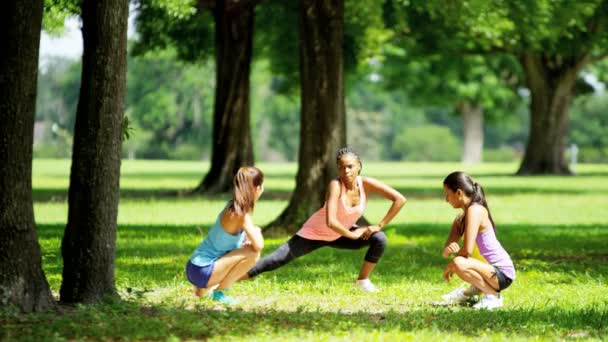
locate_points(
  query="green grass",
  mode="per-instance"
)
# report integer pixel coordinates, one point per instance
(555, 228)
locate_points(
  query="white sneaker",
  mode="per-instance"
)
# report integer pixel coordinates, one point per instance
(456, 297)
(366, 285)
(489, 302)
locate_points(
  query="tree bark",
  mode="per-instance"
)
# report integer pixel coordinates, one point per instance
(472, 122)
(323, 124)
(22, 281)
(551, 80)
(88, 245)
(232, 145)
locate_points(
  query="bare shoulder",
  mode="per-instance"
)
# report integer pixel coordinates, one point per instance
(333, 185)
(477, 210)
(372, 182)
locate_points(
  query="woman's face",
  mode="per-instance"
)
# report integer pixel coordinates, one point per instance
(451, 197)
(348, 167)
(457, 199)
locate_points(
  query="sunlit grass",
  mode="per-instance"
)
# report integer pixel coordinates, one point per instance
(555, 228)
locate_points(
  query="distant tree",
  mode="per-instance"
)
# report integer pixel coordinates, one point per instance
(158, 84)
(22, 280)
(475, 87)
(188, 29)
(326, 52)
(552, 40)
(323, 125)
(88, 246)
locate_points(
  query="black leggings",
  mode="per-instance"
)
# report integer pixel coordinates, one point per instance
(298, 246)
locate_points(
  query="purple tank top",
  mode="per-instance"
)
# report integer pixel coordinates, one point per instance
(494, 253)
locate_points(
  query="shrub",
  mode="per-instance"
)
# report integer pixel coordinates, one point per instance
(427, 143)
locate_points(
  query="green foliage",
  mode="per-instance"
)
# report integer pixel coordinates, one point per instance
(589, 121)
(427, 142)
(500, 155)
(187, 152)
(127, 128)
(58, 92)
(364, 32)
(277, 41)
(555, 229)
(170, 100)
(175, 26)
(593, 155)
(277, 38)
(570, 28)
(56, 12)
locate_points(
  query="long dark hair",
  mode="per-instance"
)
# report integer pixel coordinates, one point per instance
(464, 182)
(245, 181)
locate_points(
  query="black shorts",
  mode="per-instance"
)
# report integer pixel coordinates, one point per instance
(503, 280)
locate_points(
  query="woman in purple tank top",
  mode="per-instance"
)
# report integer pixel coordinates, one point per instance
(476, 226)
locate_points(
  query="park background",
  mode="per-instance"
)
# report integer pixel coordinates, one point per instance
(427, 89)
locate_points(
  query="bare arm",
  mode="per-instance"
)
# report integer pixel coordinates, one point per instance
(253, 233)
(374, 185)
(451, 244)
(472, 223)
(333, 195)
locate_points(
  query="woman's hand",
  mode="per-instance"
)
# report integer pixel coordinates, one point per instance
(447, 273)
(369, 230)
(357, 233)
(463, 253)
(450, 249)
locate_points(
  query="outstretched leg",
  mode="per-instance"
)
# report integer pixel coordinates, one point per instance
(294, 248)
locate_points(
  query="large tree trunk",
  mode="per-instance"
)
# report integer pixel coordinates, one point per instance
(232, 146)
(88, 244)
(551, 80)
(323, 124)
(472, 122)
(22, 281)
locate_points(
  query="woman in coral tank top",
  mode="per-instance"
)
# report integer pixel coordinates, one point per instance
(334, 224)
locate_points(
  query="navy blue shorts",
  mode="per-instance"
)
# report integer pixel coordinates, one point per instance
(503, 280)
(199, 275)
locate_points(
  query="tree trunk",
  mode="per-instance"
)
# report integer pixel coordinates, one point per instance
(472, 122)
(551, 81)
(22, 281)
(88, 245)
(323, 124)
(232, 146)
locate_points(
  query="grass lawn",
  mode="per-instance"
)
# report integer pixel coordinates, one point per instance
(555, 228)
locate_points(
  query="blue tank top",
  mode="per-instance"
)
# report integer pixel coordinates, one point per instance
(217, 243)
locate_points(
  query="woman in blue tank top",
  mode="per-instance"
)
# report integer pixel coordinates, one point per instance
(233, 244)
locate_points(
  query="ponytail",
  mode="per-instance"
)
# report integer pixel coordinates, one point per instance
(460, 180)
(245, 181)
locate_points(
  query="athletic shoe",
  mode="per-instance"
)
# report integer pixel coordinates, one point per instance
(219, 296)
(366, 285)
(456, 297)
(489, 302)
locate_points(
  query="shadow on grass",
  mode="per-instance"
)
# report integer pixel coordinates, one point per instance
(151, 253)
(61, 195)
(130, 320)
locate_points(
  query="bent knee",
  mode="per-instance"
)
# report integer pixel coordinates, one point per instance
(460, 263)
(251, 254)
(379, 238)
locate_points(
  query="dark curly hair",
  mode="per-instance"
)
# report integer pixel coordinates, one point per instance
(348, 150)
